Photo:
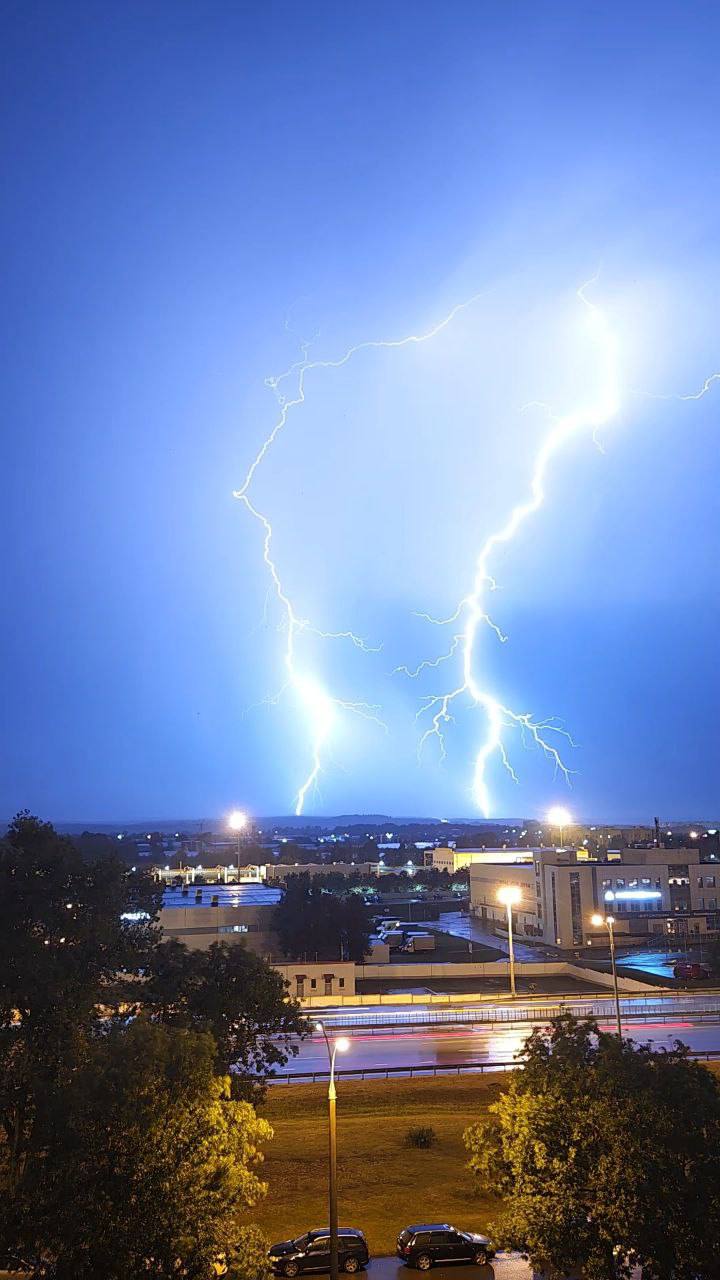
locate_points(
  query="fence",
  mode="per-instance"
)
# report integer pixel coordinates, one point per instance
(655, 1007)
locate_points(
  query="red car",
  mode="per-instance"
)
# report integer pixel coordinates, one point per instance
(684, 969)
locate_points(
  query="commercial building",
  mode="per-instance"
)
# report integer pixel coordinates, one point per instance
(453, 860)
(648, 891)
(221, 913)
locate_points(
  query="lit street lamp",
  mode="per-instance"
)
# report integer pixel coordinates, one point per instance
(341, 1045)
(609, 922)
(510, 895)
(561, 818)
(237, 822)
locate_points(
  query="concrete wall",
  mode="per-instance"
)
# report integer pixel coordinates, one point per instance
(198, 927)
(628, 986)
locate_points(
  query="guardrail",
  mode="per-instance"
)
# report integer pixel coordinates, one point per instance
(656, 1006)
(444, 1068)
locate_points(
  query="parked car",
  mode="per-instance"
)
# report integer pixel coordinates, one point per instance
(311, 1252)
(686, 969)
(422, 1246)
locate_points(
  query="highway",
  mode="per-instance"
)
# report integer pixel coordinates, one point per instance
(438, 1047)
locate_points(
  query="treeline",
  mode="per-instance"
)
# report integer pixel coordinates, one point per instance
(129, 1070)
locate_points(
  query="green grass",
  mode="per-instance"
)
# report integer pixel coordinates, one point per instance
(383, 1184)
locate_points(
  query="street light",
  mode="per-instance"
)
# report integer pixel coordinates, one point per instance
(609, 922)
(237, 822)
(341, 1045)
(510, 895)
(559, 817)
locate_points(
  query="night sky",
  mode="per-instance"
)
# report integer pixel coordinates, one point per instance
(192, 190)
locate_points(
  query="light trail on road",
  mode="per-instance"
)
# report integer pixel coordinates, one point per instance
(499, 1043)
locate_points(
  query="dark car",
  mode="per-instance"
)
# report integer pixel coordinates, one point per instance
(422, 1246)
(685, 969)
(311, 1252)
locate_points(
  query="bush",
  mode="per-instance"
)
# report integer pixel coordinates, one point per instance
(422, 1136)
(247, 1260)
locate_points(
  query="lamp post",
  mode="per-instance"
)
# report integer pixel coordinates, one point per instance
(609, 922)
(237, 822)
(561, 818)
(341, 1045)
(510, 895)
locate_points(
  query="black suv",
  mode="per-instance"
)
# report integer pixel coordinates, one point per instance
(311, 1252)
(421, 1246)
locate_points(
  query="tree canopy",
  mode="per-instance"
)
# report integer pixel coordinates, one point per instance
(607, 1155)
(314, 924)
(234, 995)
(126, 1069)
(143, 1135)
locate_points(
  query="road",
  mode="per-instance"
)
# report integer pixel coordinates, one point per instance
(504, 1267)
(498, 1043)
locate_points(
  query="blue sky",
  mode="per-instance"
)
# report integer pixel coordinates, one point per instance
(192, 190)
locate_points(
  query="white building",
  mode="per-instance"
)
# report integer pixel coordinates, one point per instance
(452, 860)
(648, 891)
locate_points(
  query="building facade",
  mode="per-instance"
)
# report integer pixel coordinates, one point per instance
(650, 892)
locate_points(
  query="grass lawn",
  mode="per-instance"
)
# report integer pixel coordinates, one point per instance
(383, 1184)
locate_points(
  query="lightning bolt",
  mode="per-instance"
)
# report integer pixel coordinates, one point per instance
(320, 706)
(472, 609)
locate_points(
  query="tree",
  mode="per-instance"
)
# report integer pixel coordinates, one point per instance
(312, 923)
(237, 997)
(143, 1135)
(63, 943)
(607, 1155)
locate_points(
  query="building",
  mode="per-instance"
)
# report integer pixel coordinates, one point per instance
(221, 913)
(648, 891)
(453, 860)
(307, 980)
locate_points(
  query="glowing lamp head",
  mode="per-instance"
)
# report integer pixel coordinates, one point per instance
(342, 1045)
(559, 816)
(597, 920)
(319, 1026)
(237, 820)
(509, 895)
(610, 920)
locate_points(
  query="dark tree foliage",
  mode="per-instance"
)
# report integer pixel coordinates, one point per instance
(607, 1155)
(312, 923)
(124, 1140)
(63, 947)
(234, 995)
(145, 1159)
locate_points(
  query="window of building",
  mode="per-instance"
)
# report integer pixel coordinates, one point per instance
(554, 906)
(576, 908)
(646, 882)
(619, 884)
(712, 904)
(327, 979)
(700, 882)
(633, 884)
(710, 882)
(233, 928)
(341, 982)
(300, 984)
(313, 982)
(607, 884)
